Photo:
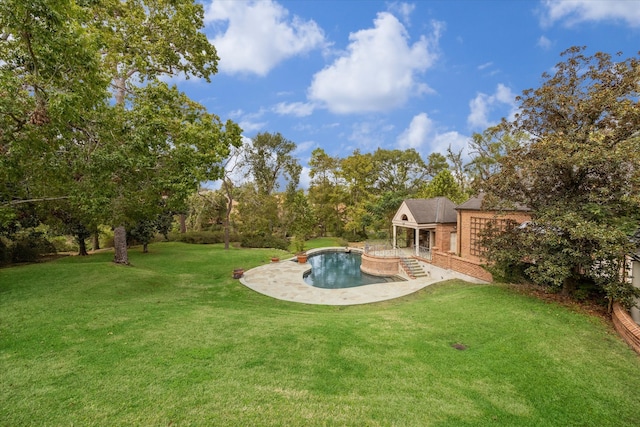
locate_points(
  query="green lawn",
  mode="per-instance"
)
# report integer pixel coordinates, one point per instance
(174, 340)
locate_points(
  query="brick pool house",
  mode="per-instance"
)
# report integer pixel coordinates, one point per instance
(437, 232)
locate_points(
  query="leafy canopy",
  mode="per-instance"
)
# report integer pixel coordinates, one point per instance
(579, 173)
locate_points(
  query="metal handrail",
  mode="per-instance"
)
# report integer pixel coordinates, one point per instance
(386, 250)
(424, 252)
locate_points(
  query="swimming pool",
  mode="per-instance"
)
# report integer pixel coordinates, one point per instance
(335, 270)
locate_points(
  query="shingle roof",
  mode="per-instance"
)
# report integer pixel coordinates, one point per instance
(475, 204)
(438, 210)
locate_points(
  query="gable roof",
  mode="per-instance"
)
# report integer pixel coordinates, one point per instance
(438, 210)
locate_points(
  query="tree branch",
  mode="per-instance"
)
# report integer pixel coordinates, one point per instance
(41, 199)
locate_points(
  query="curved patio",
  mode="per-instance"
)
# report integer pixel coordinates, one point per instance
(284, 280)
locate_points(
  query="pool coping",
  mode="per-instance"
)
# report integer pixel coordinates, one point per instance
(284, 280)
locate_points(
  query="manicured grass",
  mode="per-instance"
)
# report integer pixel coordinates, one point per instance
(174, 340)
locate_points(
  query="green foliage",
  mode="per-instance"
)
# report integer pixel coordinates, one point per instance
(164, 223)
(205, 208)
(383, 208)
(200, 237)
(65, 141)
(444, 185)
(298, 244)
(105, 235)
(142, 233)
(63, 243)
(397, 171)
(436, 163)
(269, 159)
(5, 253)
(30, 246)
(579, 174)
(487, 150)
(298, 216)
(326, 192)
(258, 213)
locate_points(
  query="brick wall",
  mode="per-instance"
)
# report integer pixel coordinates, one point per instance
(626, 327)
(379, 266)
(452, 262)
(443, 237)
(464, 228)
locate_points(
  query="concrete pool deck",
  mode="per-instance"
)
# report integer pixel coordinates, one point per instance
(284, 280)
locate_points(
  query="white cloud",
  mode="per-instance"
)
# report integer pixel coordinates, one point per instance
(304, 147)
(417, 132)
(423, 135)
(378, 71)
(298, 109)
(249, 122)
(483, 105)
(453, 139)
(305, 179)
(369, 135)
(544, 43)
(485, 65)
(254, 36)
(573, 12)
(404, 10)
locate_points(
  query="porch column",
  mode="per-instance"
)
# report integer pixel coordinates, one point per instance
(417, 240)
(395, 237)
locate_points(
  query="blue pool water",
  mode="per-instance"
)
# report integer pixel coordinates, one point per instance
(334, 270)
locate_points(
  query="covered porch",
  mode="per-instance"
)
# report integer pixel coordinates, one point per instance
(414, 240)
(422, 225)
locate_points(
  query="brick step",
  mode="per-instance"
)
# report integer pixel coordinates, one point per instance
(413, 268)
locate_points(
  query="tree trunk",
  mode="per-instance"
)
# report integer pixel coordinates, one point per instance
(95, 241)
(569, 285)
(227, 221)
(82, 245)
(120, 245)
(183, 223)
(145, 248)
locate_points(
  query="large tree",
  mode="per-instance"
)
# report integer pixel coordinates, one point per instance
(326, 192)
(142, 41)
(398, 171)
(579, 174)
(61, 139)
(269, 161)
(445, 185)
(357, 173)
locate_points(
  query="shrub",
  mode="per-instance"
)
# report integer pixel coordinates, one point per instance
(105, 236)
(64, 244)
(29, 247)
(198, 237)
(5, 253)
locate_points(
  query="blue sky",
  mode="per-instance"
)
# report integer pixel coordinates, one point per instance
(361, 74)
